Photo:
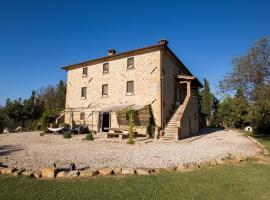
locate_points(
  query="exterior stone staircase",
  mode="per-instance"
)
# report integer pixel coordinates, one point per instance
(173, 127)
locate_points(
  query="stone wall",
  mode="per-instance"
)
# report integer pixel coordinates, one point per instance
(189, 121)
(173, 93)
(146, 77)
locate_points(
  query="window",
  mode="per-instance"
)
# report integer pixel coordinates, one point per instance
(130, 63)
(83, 93)
(105, 68)
(130, 87)
(82, 116)
(85, 71)
(105, 90)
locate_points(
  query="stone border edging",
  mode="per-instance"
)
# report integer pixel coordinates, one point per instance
(258, 144)
(50, 172)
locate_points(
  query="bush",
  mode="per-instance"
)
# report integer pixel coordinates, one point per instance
(47, 118)
(67, 135)
(31, 125)
(150, 130)
(89, 136)
(66, 127)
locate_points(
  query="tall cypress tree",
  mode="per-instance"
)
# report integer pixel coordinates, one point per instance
(206, 101)
(60, 95)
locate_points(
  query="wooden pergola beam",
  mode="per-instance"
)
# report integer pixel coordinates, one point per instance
(186, 77)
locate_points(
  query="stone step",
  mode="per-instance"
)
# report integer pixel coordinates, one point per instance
(172, 128)
(169, 133)
(171, 124)
(170, 138)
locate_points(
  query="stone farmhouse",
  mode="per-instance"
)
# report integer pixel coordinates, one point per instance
(150, 80)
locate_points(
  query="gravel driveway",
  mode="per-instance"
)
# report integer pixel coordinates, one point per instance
(31, 151)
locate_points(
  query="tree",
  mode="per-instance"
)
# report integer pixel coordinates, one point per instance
(240, 110)
(249, 80)
(60, 95)
(43, 105)
(224, 113)
(249, 71)
(2, 119)
(260, 113)
(206, 102)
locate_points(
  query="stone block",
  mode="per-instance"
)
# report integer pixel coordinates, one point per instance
(127, 171)
(87, 173)
(48, 172)
(143, 171)
(105, 171)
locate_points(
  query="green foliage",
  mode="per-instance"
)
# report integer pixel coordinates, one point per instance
(60, 95)
(28, 112)
(150, 130)
(224, 113)
(240, 108)
(89, 136)
(2, 119)
(48, 117)
(206, 99)
(250, 81)
(260, 112)
(67, 135)
(234, 111)
(249, 70)
(208, 105)
(131, 114)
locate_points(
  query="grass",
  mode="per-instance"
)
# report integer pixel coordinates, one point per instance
(262, 138)
(247, 181)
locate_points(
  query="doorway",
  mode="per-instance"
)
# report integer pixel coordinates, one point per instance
(105, 123)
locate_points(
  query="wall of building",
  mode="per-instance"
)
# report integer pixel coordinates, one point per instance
(189, 122)
(171, 86)
(146, 77)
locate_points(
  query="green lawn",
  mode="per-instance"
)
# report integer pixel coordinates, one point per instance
(247, 181)
(263, 139)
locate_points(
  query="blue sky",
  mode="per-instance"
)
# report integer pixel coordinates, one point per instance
(37, 38)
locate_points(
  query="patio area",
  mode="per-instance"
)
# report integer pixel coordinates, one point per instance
(32, 151)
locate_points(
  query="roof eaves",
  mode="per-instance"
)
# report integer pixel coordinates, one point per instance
(112, 57)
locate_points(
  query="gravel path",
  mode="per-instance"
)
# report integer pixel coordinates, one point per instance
(31, 151)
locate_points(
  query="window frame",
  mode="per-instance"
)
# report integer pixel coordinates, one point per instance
(85, 74)
(127, 88)
(108, 70)
(133, 65)
(102, 91)
(83, 97)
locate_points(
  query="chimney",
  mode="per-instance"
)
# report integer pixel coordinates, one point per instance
(163, 42)
(111, 52)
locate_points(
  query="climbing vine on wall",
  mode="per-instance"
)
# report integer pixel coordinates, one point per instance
(131, 113)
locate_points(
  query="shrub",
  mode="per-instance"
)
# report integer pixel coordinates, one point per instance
(47, 118)
(89, 136)
(42, 133)
(150, 130)
(67, 135)
(130, 113)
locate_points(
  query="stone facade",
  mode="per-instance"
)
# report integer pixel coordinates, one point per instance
(173, 93)
(155, 83)
(146, 75)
